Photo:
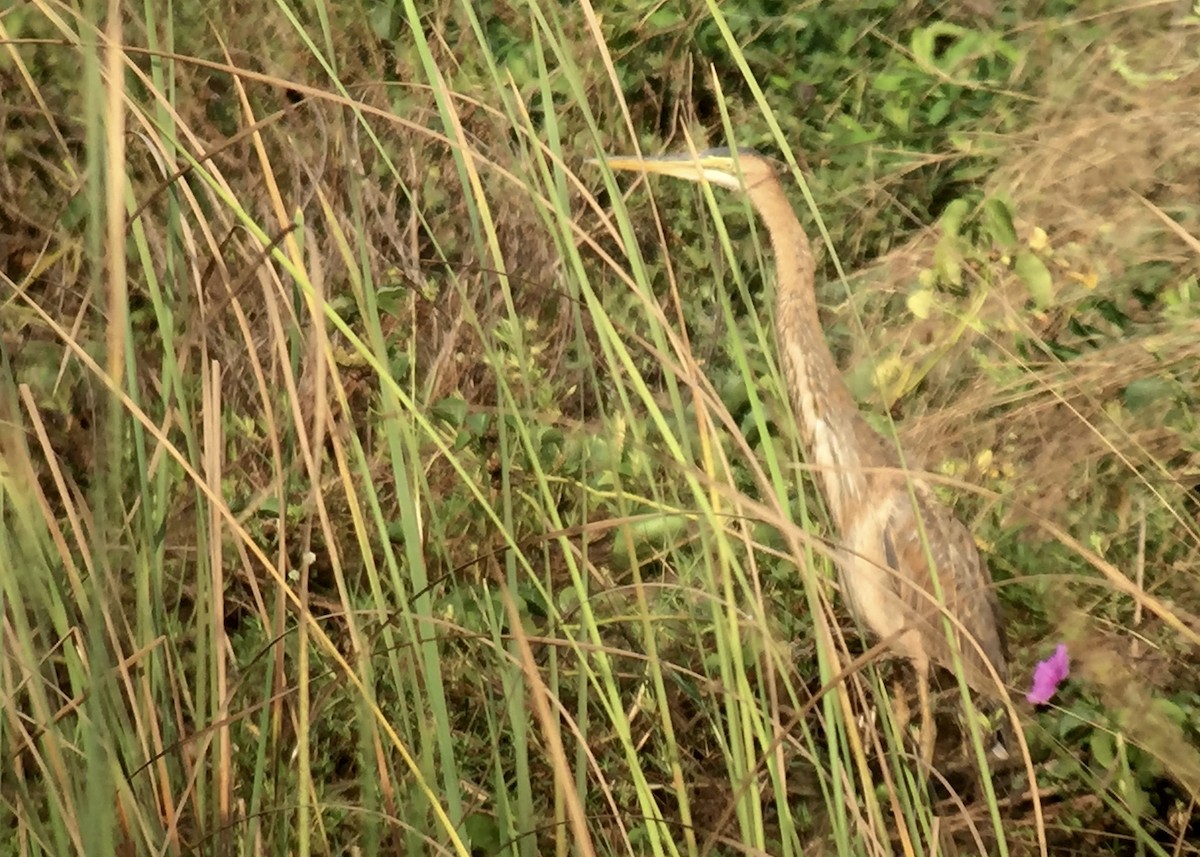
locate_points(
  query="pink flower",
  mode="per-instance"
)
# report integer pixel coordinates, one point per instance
(1048, 675)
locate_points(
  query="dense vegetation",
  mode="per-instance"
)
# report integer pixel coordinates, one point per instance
(379, 477)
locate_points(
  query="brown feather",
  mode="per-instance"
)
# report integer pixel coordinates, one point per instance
(966, 585)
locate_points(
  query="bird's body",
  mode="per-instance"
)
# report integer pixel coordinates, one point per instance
(885, 570)
(893, 531)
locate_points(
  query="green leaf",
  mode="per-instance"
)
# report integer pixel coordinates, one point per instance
(897, 114)
(922, 46)
(382, 19)
(452, 409)
(400, 364)
(1033, 272)
(999, 219)
(939, 111)
(1111, 313)
(954, 215)
(891, 81)
(1172, 710)
(1144, 392)
(665, 18)
(1133, 794)
(74, 213)
(958, 42)
(477, 424)
(947, 261)
(1104, 750)
(966, 45)
(392, 299)
(651, 535)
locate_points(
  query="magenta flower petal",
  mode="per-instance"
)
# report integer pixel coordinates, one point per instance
(1048, 675)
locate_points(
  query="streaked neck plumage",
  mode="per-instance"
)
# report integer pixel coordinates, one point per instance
(839, 441)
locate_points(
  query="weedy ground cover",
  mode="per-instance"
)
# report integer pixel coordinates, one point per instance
(378, 478)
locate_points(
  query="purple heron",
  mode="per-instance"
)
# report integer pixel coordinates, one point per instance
(898, 545)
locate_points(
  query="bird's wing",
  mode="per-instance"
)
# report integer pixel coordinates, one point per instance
(966, 583)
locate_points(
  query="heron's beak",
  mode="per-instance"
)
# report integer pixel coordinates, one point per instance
(718, 170)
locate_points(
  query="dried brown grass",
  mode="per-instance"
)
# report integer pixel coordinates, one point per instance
(1097, 171)
(1109, 171)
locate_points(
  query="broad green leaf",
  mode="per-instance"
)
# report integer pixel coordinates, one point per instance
(1104, 751)
(477, 423)
(1144, 392)
(1033, 272)
(452, 409)
(1172, 710)
(953, 216)
(999, 220)
(382, 19)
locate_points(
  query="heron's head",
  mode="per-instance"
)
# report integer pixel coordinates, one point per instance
(734, 169)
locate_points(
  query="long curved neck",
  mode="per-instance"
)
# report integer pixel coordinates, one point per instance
(839, 441)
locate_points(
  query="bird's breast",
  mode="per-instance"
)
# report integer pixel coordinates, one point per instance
(869, 585)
